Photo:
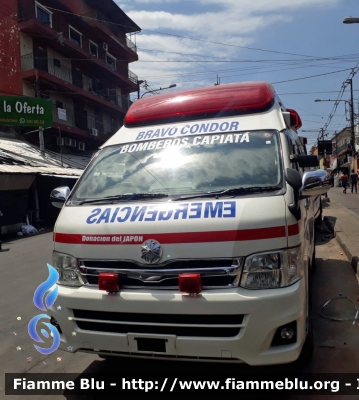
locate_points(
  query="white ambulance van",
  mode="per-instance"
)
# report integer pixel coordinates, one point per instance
(190, 234)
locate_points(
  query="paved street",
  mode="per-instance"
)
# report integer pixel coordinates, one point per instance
(23, 268)
(348, 200)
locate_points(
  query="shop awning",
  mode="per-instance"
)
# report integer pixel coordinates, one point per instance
(41, 170)
(62, 176)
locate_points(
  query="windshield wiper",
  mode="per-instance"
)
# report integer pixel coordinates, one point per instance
(126, 197)
(231, 192)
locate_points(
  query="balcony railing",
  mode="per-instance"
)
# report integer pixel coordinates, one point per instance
(132, 77)
(341, 148)
(131, 45)
(59, 26)
(342, 161)
(102, 19)
(99, 87)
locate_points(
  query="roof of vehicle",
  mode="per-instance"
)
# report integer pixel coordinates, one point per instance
(200, 103)
(178, 113)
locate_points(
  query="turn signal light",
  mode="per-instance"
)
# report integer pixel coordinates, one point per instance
(190, 283)
(108, 282)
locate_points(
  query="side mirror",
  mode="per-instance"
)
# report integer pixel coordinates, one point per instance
(315, 183)
(59, 196)
(293, 178)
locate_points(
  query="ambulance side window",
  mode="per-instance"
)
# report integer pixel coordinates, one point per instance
(300, 151)
(293, 149)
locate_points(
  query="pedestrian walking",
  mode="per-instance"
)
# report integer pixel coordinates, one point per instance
(354, 181)
(344, 180)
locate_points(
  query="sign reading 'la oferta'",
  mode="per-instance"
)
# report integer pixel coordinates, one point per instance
(25, 111)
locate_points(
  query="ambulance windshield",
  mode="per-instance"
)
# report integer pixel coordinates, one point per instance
(181, 166)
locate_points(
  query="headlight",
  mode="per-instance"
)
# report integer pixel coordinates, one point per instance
(273, 270)
(66, 266)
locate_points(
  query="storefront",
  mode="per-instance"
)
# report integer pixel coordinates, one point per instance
(26, 180)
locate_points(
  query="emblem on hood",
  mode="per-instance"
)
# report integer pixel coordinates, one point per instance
(151, 251)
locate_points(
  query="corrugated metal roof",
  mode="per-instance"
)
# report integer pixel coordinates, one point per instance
(20, 157)
(70, 160)
(76, 159)
(25, 169)
(62, 176)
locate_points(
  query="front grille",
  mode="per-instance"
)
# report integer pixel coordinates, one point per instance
(172, 264)
(166, 324)
(163, 330)
(215, 273)
(172, 282)
(231, 319)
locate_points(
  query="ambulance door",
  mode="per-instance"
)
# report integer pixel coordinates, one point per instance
(306, 222)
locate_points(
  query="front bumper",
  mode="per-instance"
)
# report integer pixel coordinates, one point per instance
(263, 312)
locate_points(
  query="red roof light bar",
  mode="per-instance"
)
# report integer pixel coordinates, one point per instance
(212, 101)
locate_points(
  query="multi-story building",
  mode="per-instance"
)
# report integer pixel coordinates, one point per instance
(75, 54)
(342, 150)
(344, 157)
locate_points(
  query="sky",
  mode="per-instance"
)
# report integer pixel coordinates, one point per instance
(302, 47)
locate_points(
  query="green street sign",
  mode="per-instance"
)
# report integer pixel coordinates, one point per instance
(25, 111)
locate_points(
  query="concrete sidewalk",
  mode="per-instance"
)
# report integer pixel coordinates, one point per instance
(344, 224)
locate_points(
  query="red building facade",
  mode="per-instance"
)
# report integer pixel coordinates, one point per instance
(76, 54)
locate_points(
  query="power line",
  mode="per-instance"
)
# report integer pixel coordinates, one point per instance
(312, 58)
(251, 68)
(318, 59)
(340, 95)
(289, 62)
(184, 37)
(182, 61)
(332, 58)
(312, 76)
(215, 60)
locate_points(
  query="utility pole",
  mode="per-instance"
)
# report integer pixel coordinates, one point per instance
(324, 145)
(138, 87)
(41, 140)
(352, 140)
(62, 164)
